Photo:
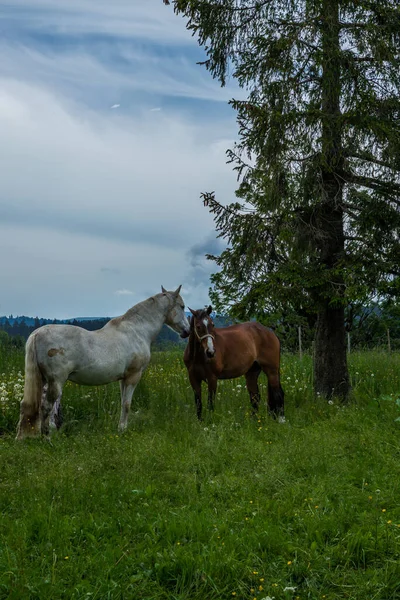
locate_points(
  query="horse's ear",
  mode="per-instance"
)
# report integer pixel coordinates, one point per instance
(164, 291)
(209, 310)
(192, 311)
(176, 293)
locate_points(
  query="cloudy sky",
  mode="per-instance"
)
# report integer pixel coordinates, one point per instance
(109, 133)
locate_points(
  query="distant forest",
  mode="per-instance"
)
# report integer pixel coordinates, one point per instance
(18, 330)
(14, 331)
(377, 325)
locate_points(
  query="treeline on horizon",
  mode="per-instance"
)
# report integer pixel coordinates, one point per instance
(14, 331)
(369, 327)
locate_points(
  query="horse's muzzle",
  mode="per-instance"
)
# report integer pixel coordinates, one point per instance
(185, 334)
(210, 354)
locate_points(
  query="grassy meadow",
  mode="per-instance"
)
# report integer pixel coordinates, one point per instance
(229, 508)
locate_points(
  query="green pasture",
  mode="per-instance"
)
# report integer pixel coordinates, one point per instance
(232, 507)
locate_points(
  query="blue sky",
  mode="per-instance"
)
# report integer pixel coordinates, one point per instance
(110, 132)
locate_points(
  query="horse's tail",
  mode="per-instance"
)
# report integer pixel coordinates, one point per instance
(29, 421)
(276, 401)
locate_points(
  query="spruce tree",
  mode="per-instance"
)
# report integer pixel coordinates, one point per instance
(316, 223)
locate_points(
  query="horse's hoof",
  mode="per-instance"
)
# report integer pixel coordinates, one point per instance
(27, 432)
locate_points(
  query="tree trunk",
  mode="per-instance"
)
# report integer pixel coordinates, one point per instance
(330, 360)
(331, 376)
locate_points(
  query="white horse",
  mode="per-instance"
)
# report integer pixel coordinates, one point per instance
(119, 351)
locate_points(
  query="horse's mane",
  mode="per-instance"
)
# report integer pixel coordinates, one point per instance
(201, 313)
(137, 311)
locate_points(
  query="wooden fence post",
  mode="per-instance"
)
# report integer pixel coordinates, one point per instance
(300, 348)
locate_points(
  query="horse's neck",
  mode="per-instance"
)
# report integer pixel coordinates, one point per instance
(192, 345)
(195, 347)
(151, 314)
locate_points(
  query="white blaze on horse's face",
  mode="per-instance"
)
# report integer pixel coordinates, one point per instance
(204, 331)
(176, 318)
(210, 350)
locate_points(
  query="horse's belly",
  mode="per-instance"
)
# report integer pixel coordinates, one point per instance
(231, 374)
(95, 376)
(234, 371)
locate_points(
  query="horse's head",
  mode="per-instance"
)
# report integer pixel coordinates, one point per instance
(204, 331)
(176, 318)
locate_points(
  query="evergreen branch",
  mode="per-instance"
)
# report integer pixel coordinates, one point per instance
(372, 183)
(349, 210)
(354, 238)
(361, 25)
(305, 159)
(209, 201)
(368, 158)
(256, 6)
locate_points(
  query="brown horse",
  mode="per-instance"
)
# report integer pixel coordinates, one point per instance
(228, 352)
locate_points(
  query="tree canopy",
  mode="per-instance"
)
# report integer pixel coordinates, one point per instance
(316, 222)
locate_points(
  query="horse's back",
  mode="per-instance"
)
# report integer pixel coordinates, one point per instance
(56, 338)
(89, 357)
(57, 343)
(265, 333)
(250, 340)
(249, 329)
(72, 352)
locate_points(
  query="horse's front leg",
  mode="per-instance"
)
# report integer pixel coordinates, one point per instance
(196, 386)
(127, 387)
(212, 390)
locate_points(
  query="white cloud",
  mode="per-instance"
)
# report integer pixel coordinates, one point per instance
(48, 273)
(85, 197)
(143, 19)
(126, 169)
(97, 202)
(143, 72)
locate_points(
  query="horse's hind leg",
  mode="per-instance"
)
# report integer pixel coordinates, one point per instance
(252, 386)
(50, 398)
(56, 415)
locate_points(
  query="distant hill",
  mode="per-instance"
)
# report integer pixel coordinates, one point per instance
(22, 326)
(31, 320)
(88, 319)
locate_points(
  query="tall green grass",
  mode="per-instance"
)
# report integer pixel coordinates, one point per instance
(232, 507)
